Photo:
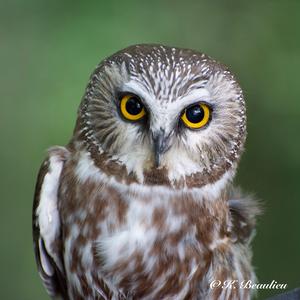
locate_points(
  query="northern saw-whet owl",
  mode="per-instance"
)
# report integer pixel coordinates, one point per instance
(140, 204)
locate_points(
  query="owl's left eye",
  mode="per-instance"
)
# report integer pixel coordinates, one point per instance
(196, 116)
(131, 108)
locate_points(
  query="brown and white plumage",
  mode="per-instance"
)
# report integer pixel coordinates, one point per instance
(146, 210)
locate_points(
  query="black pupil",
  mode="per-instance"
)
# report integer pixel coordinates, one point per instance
(195, 114)
(134, 106)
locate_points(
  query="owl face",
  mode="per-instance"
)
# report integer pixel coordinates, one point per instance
(167, 113)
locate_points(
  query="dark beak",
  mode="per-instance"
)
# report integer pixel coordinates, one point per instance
(160, 142)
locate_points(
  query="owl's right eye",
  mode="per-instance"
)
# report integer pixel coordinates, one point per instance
(132, 108)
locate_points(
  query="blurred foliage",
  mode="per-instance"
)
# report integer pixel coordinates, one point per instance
(49, 48)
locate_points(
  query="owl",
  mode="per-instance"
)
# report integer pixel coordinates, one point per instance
(140, 204)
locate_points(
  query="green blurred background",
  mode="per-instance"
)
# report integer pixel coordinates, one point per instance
(47, 52)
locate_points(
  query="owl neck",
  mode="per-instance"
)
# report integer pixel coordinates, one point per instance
(87, 168)
(208, 184)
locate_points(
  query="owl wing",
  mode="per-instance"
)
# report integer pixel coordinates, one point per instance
(46, 224)
(244, 211)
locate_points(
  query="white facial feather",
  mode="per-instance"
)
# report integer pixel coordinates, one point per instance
(163, 114)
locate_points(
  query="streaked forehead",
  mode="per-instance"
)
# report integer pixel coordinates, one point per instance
(167, 73)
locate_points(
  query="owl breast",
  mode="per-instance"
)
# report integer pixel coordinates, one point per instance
(138, 242)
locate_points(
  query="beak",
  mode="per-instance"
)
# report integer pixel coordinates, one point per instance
(160, 142)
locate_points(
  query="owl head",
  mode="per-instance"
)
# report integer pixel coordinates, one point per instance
(158, 115)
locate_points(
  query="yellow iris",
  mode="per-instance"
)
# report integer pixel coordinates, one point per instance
(131, 108)
(196, 116)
